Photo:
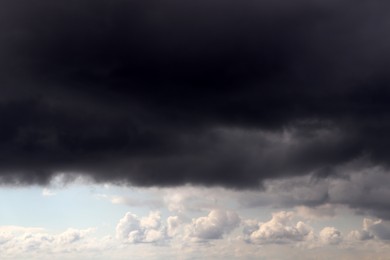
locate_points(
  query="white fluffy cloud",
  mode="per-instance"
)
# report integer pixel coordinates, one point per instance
(15, 241)
(330, 236)
(214, 225)
(137, 236)
(72, 235)
(151, 229)
(148, 229)
(279, 230)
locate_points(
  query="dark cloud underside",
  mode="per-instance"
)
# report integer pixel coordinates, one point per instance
(206, 92)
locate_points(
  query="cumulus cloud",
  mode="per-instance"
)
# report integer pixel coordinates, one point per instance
(137, 235)
(72, 235)
(372, 229)
(16, 241)
(330, 236)
(360, 235)
(213, 226)
(150, 229)
(278, 230)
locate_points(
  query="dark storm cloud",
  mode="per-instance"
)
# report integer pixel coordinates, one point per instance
(205, 92)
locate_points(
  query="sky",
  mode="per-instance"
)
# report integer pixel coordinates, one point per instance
(181, 129)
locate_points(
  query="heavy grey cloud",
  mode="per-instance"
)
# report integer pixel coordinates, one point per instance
(360, 186)
(160, 93)
(378, 229)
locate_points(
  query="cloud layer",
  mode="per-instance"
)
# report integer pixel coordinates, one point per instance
(162, 93)
(216, 233)
(358, 185)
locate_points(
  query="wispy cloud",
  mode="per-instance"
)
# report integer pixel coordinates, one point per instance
(48, 193)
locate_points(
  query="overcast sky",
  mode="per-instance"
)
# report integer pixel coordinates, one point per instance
(194, 129)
